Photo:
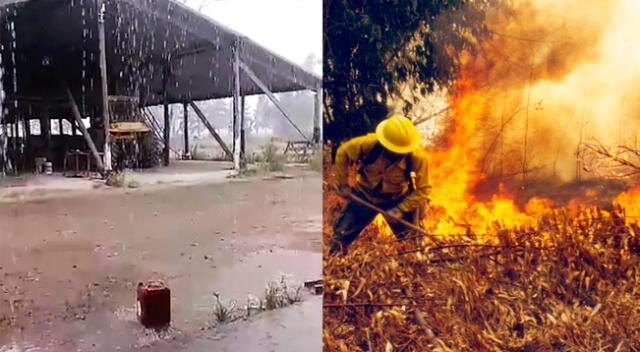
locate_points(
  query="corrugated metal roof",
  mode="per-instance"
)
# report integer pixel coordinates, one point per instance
(142, 35)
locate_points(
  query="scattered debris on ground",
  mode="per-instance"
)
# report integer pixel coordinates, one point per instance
(277, 294)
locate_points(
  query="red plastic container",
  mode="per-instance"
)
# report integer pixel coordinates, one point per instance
(154, 304)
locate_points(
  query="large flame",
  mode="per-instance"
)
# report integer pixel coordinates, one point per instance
(630, 201)
(455, 172)
(550, 73)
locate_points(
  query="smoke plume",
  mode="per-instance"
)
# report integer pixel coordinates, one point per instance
(551, 74)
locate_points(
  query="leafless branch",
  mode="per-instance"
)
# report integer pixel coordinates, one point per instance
(612, 162)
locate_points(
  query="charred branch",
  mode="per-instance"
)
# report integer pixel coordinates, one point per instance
(617, 162)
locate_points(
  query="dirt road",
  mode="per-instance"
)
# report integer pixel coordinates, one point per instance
(69, 266)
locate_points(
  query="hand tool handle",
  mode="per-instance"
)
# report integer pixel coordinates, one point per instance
(398, 219)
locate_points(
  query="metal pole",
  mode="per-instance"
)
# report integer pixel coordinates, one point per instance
(317, 121)
(3, 138)
(243, 141)
(187, 151)
(421, 231)
(236, 107)
(167, 120)
(45, 127)
(106, 121)
(212, 130)
(27, 127)
(270, 95)
(85, 133)
(14, 132)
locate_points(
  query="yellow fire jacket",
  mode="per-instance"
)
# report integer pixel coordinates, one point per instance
(383, 181)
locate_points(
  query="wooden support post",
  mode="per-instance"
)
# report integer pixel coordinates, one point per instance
(45, 128)
(28, 157)
(85, 133)
(27, 128)
(187, 151)
(106, 121)
(270, 95)
(237, 165)
(212, 130)
(317, 120)
(3, 138)
(74, 128)
(15, 133)
(243, 142)
(167, 119)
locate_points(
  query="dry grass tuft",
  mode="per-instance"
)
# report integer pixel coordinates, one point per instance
(570, 285)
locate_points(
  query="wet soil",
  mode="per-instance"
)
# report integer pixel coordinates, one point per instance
(69, 266)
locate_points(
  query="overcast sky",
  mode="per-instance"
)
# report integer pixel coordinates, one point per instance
(291, 28)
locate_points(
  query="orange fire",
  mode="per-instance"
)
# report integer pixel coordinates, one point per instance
(630, 201)
(454, 173)
(507, 66)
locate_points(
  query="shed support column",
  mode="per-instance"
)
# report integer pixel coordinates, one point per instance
(105, 93)
(27, 128)
(237, 120)
(15, 133)
(85, 133)
(74, 128)
(3, 137)
(167, 120)
(317, 120)
(270, 95)
(45, 129)
(243, 141)
(207, 124)
(187, 150)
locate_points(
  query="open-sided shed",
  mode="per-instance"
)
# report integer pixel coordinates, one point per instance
(68, 59)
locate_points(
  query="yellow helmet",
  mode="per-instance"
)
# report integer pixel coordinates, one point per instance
(398, 134)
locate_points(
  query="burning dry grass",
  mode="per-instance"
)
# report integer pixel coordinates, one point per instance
(571, 285)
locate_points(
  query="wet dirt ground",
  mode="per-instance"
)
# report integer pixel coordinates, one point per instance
(69, 265)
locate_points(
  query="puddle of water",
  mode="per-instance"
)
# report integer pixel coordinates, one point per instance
(116, 331)
(128, 314)
(250, 274)
(192, 303)
(16, 348)
(291, 329)
(268, 331)
(310, 225)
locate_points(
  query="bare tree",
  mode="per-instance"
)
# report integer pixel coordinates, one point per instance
(622, 161)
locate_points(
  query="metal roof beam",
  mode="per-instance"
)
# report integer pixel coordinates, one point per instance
(270, 95)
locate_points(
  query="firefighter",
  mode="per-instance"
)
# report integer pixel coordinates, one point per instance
(393, 176)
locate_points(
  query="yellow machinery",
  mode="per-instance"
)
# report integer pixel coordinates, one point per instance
(128, 130)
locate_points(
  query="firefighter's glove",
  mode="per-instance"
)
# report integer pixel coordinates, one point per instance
(344, 191)
(395, 212)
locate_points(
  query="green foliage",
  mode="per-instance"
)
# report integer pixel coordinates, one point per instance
(316, 161)
(372, 46)
(199, 153)
(116, 179)
(224, 312)
(298, 105)
(271, 159)
(279, 295)
(119, 179)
